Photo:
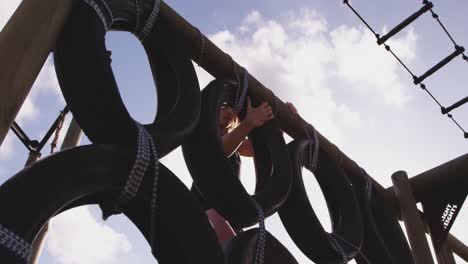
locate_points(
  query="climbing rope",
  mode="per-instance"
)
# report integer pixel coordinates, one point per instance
(314, 146)
(15, 244)
(150, 22)
(145, 149)
(261, 241)
(54, 143)
(459, 50)
(137, 172)
(240, 98)
(154, 190)
(243, 93)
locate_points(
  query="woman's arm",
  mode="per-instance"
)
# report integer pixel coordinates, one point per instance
(244, 146)
(255, 117)
(234, 139)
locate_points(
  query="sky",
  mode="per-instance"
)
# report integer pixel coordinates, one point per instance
(314, 53)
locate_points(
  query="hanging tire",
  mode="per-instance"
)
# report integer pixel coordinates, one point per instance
(301, 222)
(96, 174)
(213, 174)
(242, 249)
(384, 241)
(89, 87)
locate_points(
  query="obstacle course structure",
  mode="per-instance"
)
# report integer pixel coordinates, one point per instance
(365, 215)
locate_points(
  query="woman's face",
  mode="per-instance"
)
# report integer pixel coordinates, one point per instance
(226, 116)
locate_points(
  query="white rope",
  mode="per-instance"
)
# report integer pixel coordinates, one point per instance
(145, 149)
(242, 94)
(138, 171)
(314, 146)
(150, 22)
(154, 191)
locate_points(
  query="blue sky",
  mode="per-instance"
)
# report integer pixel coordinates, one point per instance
(313, 53)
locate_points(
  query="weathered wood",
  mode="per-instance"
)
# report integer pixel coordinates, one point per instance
(444, 254)
(25, 43)
(457, 247)
(443, 176)
(415, 228)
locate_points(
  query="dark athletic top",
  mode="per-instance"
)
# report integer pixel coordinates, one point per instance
(235, 161)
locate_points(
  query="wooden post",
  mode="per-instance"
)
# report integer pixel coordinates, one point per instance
(72, 139)
(444, 253)
(457, 247)
(25, 43)
(415, 227)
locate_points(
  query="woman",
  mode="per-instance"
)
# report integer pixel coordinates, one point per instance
(235, 143)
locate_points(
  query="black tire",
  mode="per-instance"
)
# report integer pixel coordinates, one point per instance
(96, 174)
(89, 87)
(242, 249)
(301, 222)
(214, 175)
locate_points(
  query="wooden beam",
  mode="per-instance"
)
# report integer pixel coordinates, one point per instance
(25, 43)
(415, 228)
(443, 176)
(444, 253)
(457, 247)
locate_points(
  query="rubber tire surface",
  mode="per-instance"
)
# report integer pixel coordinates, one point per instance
(301, 222)
(384, 241)
(213, 174)
(89, 87)
(96, 174)
(242, 248)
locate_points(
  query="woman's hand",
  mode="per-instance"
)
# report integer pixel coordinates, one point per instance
(292, 108)
(257, 116)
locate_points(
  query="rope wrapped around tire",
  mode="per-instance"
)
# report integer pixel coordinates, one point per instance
(213, 174)
(242, 248)
(301, 222)
(94, 174)
(89, 87)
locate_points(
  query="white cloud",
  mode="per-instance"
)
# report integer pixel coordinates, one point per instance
(47, 83)
(76, 237)
(366, 66)
(6, 150)
(28, 112)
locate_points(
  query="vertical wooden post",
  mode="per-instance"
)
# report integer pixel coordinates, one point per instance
(444, 254)
(72, 139)
(25, 43)
(410, 215)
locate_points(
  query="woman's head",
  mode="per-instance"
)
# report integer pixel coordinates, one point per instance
(227, 116)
